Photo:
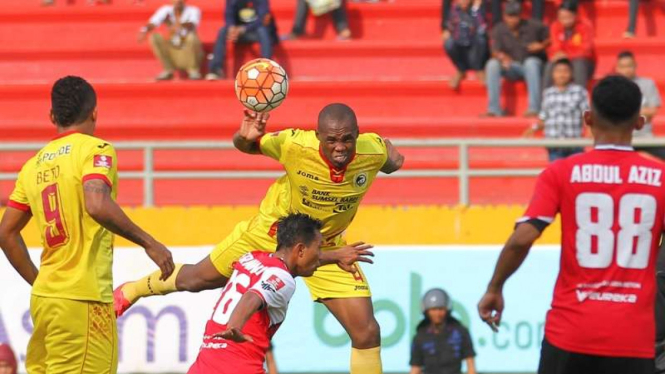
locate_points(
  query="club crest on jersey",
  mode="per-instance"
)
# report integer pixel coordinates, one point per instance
(360, 180)
(102, 161)
(273, 284)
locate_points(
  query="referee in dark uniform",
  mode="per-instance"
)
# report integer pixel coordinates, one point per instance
(441, 343)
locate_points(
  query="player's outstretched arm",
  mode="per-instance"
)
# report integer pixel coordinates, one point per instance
(101, 207)
(252, 128)
(11, 242)
(513, 254)
(395, 159)
(249, 304)
(347, 256)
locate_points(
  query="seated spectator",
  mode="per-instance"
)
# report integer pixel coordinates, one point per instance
(336, 8)
(518, 51)
(572, 38)
(441, 343)
(627, 66)
(465, 39)
(537, 10)
(182, 49)
(246, 21)
(562, 109)
(7, 360)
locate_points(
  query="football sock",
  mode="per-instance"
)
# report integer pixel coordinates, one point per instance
(151, 285)
(366, 361)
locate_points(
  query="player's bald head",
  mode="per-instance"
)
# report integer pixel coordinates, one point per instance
(337, 116)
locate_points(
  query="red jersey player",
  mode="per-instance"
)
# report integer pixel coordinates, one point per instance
(254, 302)
(612, 206)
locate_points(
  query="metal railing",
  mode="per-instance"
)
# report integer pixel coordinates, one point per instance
(463, 172)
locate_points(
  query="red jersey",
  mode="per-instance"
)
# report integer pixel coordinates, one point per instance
(611, 202)
(268, 277)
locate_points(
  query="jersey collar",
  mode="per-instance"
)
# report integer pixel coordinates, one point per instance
(336, 175)
(66, 133)
(613, 147)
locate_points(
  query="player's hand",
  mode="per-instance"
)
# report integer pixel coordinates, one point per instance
(161, 256)
(490, 308)
(535, 47)
(253, 125)
(233, 34)
(234, 334)
(445, 35)
(347, 256)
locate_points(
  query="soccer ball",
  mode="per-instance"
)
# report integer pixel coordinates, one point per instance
(261, 85)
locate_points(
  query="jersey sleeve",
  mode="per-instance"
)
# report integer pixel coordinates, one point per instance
(274, 144)
(546, 198)
(417, 357)
(276, 287)
(100, 162)
(19, 198)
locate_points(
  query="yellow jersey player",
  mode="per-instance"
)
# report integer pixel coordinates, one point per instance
(328, 172)
(70, 187)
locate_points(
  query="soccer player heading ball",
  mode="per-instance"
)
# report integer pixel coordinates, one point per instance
(328, 172)
(612, 206)
(254, 302)
(70, 188)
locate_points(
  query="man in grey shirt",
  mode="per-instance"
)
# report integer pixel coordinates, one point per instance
(627, 66)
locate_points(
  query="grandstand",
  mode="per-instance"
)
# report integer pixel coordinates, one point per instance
(394, 74)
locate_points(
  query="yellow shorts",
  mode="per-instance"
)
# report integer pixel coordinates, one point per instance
(328, 282)
(72, 336)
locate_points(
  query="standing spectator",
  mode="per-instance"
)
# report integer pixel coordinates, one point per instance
(336, 8)
(465, 39)
(182, 49)
(441, 343)
(7, 360)
(562, 109)
(518, 50)
(627, 66)
(633, 7)
(537, 10)
(247, 21)
(572, 38)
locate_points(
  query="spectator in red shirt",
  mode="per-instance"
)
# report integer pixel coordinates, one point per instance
(572, 38)
(7, 360)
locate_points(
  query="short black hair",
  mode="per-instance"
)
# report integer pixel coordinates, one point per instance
(72, 101)
(562, 61)
(297, 228)
(569, 5)
(338, 112)
(624, 54)
(617, 100)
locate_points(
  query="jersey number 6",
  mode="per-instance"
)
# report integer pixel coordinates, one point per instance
(230, 298)
(594, 213)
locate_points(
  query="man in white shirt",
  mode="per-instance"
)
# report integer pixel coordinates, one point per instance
(182, 49)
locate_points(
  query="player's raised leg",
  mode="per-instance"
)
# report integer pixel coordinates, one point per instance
(357, 317)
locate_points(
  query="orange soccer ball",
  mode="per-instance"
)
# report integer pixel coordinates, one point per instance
(261, 85)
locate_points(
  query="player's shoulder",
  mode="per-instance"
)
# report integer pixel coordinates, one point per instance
(370, 143)
(89, 142)
(648, 161)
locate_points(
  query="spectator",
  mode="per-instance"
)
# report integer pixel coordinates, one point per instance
(572, 38)
(441, 343)
(336, 8)
(7, 360)
(627, 66)
(246, 21)
(562, 109)
(465, 39)
(537, 10)
(632, 19)
(518, 50)
(182, 50)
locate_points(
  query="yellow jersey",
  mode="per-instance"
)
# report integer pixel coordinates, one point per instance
(77, 252)
(315, 187)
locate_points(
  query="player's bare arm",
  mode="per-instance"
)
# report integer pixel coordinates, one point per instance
(11, 242)
(249, 304)
(102, 208)
(347, 256)
(252, 128)
(513, 254)
(395, 159)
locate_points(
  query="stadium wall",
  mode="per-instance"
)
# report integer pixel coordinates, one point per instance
(162, 334)
(192, 226)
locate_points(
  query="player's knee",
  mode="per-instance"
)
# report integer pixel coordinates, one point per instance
(367, 337)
